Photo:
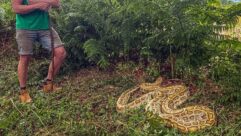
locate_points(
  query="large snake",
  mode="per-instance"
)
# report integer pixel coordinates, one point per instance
(163, 101)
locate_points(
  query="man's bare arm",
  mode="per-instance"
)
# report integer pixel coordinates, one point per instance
(53, 3)
(24, 9)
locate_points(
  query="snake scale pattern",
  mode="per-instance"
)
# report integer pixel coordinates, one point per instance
(164, 102)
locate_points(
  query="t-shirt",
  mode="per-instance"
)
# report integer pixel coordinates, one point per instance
(35, 20)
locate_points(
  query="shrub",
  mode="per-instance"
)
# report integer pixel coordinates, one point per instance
(7, 20)
(142, 29)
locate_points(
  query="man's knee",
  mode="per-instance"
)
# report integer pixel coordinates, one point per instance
(60, 52)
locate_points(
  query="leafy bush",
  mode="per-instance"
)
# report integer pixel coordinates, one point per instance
(7, 20)
(225, 69)
(7, 17)
(142, 29)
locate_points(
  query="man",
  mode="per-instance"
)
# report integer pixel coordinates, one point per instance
(32, 24)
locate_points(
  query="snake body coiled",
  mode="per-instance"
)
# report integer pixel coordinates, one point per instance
(164, 102)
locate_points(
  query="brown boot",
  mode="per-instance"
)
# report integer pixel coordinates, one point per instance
(49, 87)
(24, 96)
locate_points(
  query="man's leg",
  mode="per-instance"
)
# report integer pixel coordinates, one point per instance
(25, 40)
(59, 56)
(23, 70)
(22, 77)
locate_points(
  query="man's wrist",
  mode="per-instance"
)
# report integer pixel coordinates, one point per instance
(35, 6)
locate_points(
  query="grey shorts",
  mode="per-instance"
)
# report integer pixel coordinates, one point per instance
(27, 38)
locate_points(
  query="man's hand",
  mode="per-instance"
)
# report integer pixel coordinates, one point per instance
(43, 6)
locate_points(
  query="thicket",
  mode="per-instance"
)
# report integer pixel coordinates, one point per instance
(184, 34)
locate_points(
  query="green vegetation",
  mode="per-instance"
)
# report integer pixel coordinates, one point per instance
(113, 45)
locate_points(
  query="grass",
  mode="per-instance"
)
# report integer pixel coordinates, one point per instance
(87, 105)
